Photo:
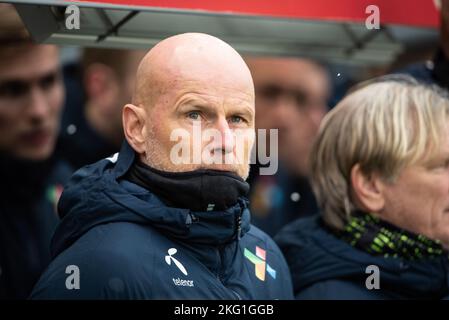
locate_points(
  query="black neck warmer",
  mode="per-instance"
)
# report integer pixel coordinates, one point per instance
(199, 190)
(441, 69)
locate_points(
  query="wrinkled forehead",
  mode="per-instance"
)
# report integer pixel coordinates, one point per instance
(214, 65)
(197, 70)
(205, 91)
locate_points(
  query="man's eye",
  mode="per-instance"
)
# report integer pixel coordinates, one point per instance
(236, 119)
(14, 89)
(301, 98)
(194, 115)
(440, 165)
(48, 81)
(446, 164)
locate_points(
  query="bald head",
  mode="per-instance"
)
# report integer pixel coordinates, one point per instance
(184, 81)
(194, 58)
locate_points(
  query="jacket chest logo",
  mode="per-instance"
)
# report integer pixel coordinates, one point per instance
(169, 259)
(178, 281)
(260, 263)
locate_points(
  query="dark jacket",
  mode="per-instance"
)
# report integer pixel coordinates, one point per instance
(435, 71)
(279, 199)
(325, 267)
(127, 244)
(28, 218)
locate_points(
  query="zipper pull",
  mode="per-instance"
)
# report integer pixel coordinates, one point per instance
(239, 227)
(191, 218)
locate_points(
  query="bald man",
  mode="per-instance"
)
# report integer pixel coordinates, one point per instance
(154, 223)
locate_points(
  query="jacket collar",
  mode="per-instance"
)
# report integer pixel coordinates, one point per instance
(216, 227)
(96, 194)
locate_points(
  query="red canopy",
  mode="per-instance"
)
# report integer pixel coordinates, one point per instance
(421, 13)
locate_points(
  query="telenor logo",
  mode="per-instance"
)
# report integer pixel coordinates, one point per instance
(259, 260)
(170, 258)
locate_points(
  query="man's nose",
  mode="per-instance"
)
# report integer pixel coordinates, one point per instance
(37, 103)
(317, 114)
(284, 111)
(227, 136)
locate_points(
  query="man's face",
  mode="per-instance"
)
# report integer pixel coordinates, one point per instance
(418, 200)
(291, 96)
(31, 98)
(204, 106)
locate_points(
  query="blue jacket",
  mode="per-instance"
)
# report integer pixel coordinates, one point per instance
(28, 217)
(126, 244)
(434, 71)
(325, 267)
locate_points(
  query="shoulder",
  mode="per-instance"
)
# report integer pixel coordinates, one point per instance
(113, 260)
(300, 232)
(420, 71)
(61, 172)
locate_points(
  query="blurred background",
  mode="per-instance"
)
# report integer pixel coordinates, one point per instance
(303, 55)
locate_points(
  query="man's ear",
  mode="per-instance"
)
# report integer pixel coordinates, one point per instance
(367, 190)
(134, 126)
(100, 85)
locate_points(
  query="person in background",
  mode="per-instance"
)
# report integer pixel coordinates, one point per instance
(435, 71)
(31, 100)
(291, 96)
(380, 172)
(97, 89)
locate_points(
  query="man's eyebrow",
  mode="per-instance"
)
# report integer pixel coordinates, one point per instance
(195, 100)
(8, 81)
(205, 107)
(52, 73)
(436, 159)
(243, 108)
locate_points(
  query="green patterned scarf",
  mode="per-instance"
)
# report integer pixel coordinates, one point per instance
(380, 238)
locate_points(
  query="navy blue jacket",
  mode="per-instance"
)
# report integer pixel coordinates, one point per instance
(435, 71)
(28, 217)
(127, 244)
(325, 267)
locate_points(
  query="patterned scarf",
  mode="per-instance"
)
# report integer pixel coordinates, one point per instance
(379, 238)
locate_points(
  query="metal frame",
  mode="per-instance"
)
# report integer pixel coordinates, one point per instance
(360, 48)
